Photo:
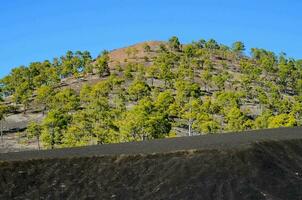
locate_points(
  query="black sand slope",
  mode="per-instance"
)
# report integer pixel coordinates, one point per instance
(219, 141)
(254, 165)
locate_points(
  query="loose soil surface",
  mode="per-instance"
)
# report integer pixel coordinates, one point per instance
(252, 165)
(15, 142)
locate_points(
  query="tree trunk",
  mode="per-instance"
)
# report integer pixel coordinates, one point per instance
(44, 109)
(52, 137)
(38, 140)
(193, 75)
(190, 128)
(2, 131)
(190, 121)
(190, 124)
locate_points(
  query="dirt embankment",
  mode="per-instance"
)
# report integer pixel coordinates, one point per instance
(251, 168)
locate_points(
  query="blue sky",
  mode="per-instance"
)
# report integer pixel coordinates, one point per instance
(34, 30)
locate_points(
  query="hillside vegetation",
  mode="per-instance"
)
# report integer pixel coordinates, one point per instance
(155, 90)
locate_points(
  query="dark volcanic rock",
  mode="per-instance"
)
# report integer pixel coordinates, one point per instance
(270, 169)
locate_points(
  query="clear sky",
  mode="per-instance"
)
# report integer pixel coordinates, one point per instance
(35, 30)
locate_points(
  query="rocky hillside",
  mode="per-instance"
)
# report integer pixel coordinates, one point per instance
(17, 119)
(152, 90)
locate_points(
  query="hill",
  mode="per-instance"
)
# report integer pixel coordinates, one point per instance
(250, 165)
(152, 90)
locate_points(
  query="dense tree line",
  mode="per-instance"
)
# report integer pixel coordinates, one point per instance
(202, 87)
